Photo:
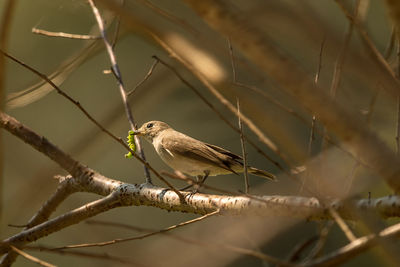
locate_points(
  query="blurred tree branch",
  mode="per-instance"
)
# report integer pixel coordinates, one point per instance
(360, 141)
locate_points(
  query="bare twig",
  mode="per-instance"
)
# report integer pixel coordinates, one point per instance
(314, 118)
(243, 251)
(117, 27)
(115, 69)
(312, 135)
(398, 99)
(84, 254)
(319, 246)
(345, 228)
(170, 16)
(342, 54)
(65, 35)
(120, 240)
(149, 73)
(232, 61)
(273, 101)
(246, 175)
(296, 252)
(31, 258)
(337, 71)
(390, 46)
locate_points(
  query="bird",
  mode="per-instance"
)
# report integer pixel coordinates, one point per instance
(191, 156)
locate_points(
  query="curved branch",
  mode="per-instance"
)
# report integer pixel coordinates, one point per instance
(356, 247)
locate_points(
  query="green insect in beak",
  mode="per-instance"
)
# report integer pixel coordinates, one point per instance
(131, 143)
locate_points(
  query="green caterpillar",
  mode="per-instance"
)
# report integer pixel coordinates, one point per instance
(131, 143)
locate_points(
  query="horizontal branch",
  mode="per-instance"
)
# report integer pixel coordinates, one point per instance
(149, 195)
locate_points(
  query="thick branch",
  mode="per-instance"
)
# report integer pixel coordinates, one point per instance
(61, 222)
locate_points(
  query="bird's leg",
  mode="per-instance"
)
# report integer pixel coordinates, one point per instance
(200, 181)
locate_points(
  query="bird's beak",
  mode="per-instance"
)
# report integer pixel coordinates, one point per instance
(137, 132)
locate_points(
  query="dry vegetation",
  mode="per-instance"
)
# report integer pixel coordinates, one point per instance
(319, 93)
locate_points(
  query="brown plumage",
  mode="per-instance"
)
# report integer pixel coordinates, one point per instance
(191, 156)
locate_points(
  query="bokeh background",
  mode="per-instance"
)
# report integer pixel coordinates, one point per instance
(297, 28)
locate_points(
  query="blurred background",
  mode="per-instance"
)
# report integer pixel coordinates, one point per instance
(314, 33)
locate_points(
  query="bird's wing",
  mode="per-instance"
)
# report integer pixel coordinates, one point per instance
(197, 150)
(225, 152)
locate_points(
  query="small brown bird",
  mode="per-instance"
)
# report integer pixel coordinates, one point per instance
(193, 157)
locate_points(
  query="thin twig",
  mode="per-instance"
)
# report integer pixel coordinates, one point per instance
(337, 71)
(84, 254)
(76, 103)
(314, 118)
(390, 46)
(398, 101)
(116, 71)
(312, 135)
(316, 79)
(243, 251)
(246, 175)
(345, 228)
(296, 252)
(149, 73)
(323, 236)
(65, 35)
(120, 240)
(232, 61)
(31, 258)
(117, 27)
(169, 16)
(272, 100)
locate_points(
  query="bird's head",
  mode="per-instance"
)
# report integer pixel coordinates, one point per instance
(151, 129)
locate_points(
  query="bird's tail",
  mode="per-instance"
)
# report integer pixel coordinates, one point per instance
(262, 173)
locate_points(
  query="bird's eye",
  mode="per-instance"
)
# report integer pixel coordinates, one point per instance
(149, 125)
